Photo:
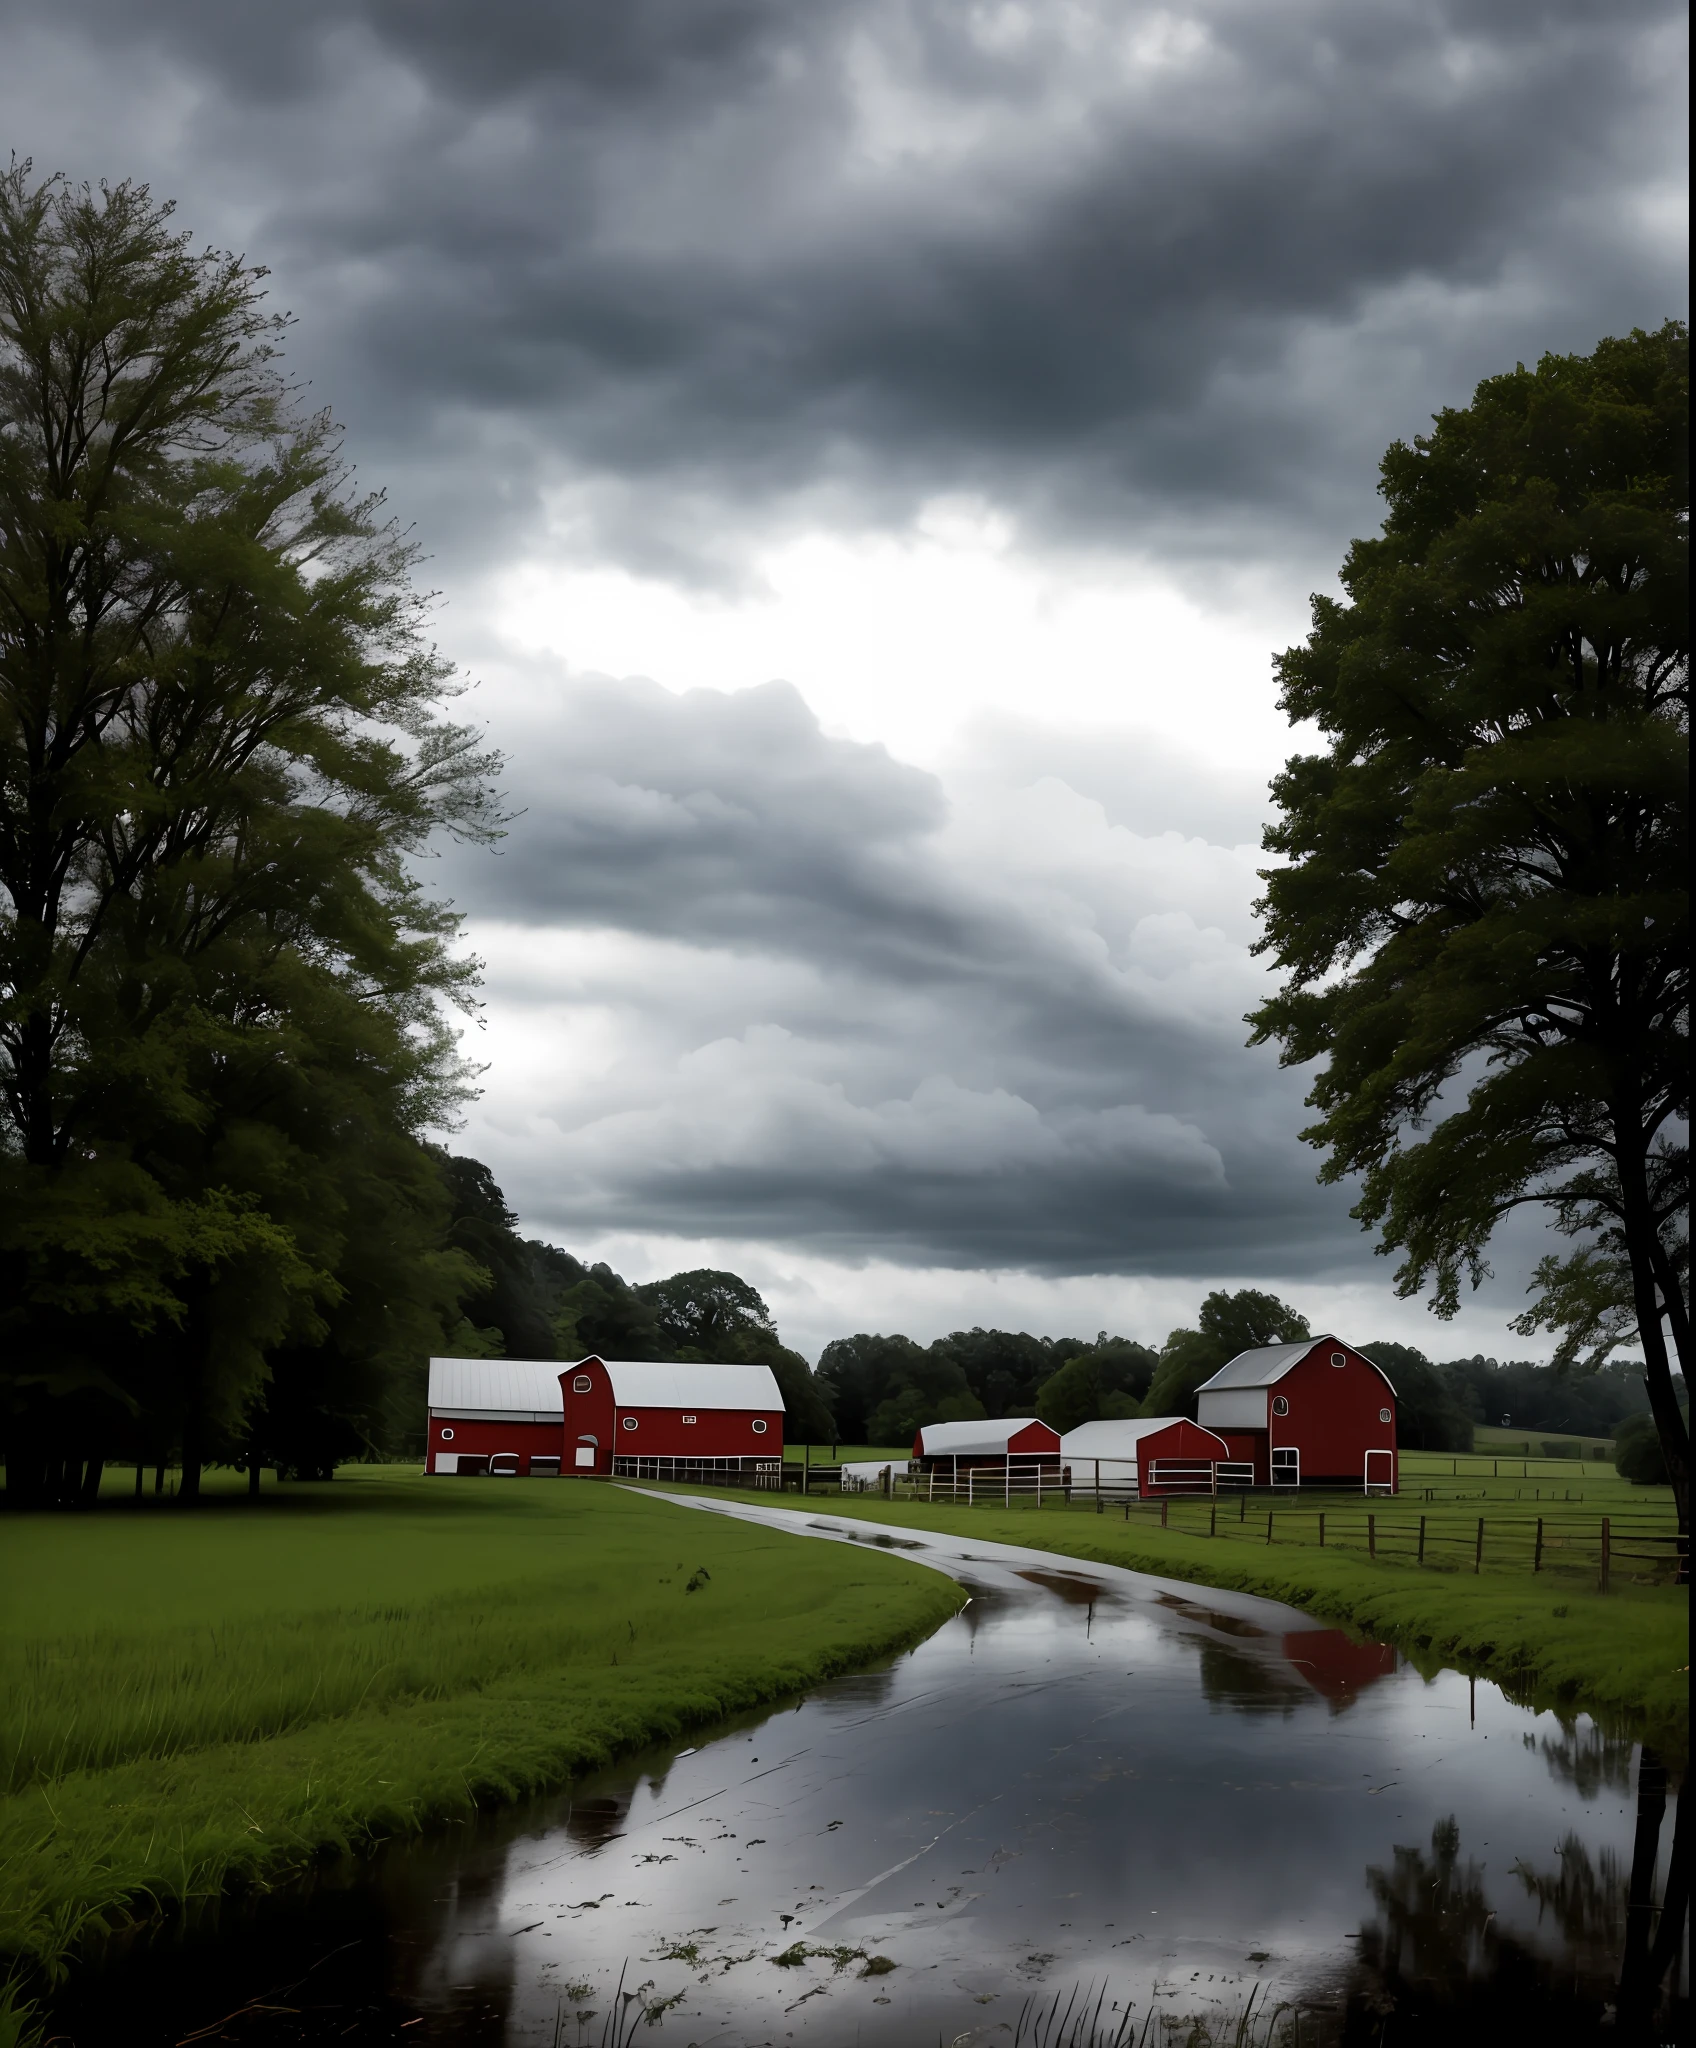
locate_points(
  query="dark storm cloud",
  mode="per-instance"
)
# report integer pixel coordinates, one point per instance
(855, 1015)
(1117, 266)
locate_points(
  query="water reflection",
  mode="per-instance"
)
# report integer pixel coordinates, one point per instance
(1182, 1799)
(1441, 1955)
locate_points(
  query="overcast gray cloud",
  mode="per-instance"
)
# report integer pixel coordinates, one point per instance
(652, 289)
(1129, 267)
(849, 1010)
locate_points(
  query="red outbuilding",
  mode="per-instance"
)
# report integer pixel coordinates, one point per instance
(525, 1418)
(1317, 1413)
(1149, 1456)
(643, 1421)
(1019, 1446)
(499, 1415)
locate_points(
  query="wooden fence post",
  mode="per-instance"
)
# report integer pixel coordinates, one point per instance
(1242, 1506)
(1165, 1505)
(1372, 1535)
(1478, 1554)
(1607, 1547)
(1213, 1518)
(1269, 1525)
(1322, 1532)
(1422, 1539)
(1537, 1554)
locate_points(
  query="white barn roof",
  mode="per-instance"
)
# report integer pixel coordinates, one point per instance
(1115, 1439)
(511, 1388)
(1262, 1366)
(527, 1389)
(971, 1439)
(637, 1384)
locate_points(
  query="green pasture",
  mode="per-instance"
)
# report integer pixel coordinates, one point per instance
(1533, 1443)
(206, 1697)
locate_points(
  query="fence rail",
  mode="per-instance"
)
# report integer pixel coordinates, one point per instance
(1559, 1542)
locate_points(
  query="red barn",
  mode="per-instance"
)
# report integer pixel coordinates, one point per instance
(497, 1415)
(643, 1421)
(1317, 1413)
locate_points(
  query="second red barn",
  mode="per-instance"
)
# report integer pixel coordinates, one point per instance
(1317, 1413)
(644, 1421)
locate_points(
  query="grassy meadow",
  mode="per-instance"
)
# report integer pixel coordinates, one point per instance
(1548, 1635)
(194, 1699)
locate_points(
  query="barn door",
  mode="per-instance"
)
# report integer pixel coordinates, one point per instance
(584, 1461)
(1286, 1466)
(1380, 1472)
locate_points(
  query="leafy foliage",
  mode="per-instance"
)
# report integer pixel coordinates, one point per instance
(1229, 1323)
(221, 741)
(1481, 902)
(1429, 1413)
(1104, 1382)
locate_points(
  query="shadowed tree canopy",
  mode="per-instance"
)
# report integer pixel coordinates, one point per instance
(221, 743)
(704, 1310)
(1229, 1323)
(1429, 1413)
(514, 1307)
(1481, 907)
(1104, 1382)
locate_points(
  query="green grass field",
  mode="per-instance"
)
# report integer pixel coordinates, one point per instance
(198, 1698)
(1531, 1443)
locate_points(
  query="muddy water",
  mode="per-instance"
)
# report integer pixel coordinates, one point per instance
(1173, 1796)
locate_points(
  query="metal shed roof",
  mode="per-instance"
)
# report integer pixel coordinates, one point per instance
(1260, 1367)
(512, 1387)
(638, 1384)
(1116, 1439)
(973, 1439)
(505, 1386)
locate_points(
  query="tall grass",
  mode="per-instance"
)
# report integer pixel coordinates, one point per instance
(150, 1755)
(90, 1702)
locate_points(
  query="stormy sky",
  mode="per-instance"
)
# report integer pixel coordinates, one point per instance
(869, 452)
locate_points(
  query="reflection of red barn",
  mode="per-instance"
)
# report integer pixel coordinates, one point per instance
(645, 1421)
(531, 1419)
(1335, 1665)
(1018, 1446)
(1317, 1413)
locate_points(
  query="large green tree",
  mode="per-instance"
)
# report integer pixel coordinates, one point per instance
(1480, 902)
(1228, 1323)
(221, 741)
(1103, 1382)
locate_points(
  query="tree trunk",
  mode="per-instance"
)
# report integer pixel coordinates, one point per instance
(194, 1443)
(1646, 1301)
(90, 1494)
(253, 1475)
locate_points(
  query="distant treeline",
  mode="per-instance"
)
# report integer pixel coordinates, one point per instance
(878, 1389)
(356, 1392)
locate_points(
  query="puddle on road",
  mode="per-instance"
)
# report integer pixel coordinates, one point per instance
(1171, 1795)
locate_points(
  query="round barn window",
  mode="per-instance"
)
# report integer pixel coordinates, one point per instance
(1339, 1358)
(447, 1436)
(1279, 1405)
(1384, 1415)
(582, 1384)
(759, 1429)
(630, 1422)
